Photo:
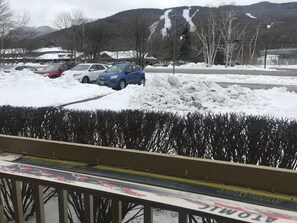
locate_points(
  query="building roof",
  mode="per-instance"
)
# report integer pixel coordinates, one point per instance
(129, 54)
(49, 49)
(119, 54)
(279, 51)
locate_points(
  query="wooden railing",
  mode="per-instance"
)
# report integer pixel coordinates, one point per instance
(225, 173)
(88, 195)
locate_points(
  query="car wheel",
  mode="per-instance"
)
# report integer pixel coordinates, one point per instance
(85, 80)
(142, 81)
(122, 84)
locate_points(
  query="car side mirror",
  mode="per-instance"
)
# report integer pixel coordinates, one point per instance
(92, 69)
(126, 72)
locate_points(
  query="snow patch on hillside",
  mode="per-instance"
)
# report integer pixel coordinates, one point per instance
(167, 23)
(188, 18)
(269, 26)
(153, 28)
(249, 15)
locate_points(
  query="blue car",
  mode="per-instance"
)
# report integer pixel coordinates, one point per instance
(118, 76)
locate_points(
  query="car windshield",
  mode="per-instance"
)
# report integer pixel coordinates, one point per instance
(81, 67)
(115, 68)
(51, 67)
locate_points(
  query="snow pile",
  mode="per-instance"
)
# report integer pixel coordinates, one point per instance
(183, 94)
(25, 88)
(180, 93)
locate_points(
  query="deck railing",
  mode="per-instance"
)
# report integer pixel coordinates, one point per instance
(88, 195)
(260, 178)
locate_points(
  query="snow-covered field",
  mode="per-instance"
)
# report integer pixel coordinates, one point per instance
(181, 93)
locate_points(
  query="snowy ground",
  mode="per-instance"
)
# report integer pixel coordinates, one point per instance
(221, 67)
(181, 93)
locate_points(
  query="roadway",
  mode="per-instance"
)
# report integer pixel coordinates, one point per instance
(267, 72)
(258, 86)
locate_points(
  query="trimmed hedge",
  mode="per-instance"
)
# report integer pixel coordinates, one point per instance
(232, 137)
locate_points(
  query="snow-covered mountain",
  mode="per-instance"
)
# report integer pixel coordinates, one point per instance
(278, 23)
(41, 30)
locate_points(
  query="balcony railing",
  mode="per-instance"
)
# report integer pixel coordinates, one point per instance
(221, 174)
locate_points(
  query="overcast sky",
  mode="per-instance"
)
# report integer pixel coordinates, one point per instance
(43, 12)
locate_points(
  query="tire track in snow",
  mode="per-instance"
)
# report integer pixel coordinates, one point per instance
(82, 101)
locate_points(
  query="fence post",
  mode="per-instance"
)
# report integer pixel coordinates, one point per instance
(148, 214)
(89, 211)
(17, 201)
(62, 200)
(182, 217)
(39, 203)
(1, 209)
(116, 211)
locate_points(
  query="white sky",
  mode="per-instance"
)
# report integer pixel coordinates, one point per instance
(43, 12)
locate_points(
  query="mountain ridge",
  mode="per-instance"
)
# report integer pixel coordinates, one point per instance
(40, 30)
(277, 21)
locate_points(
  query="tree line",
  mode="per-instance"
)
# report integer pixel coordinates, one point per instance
(220, 36)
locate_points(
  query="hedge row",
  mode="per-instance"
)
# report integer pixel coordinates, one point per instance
(240, 138)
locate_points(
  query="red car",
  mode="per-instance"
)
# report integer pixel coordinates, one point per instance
(53, 70)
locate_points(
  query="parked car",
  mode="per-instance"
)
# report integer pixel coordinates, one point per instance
(86, 72)
(53, 70)
(118, 76)
(16, 68)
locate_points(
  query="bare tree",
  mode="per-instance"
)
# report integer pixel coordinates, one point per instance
(67, 19)
(253, 44)
(7, 24)
(94, 38)
(138, 37)
(231, 31)
(63, 20)
(19, 31)
(11, 27)
(6, 21)
(210, 37)
(71, 21)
